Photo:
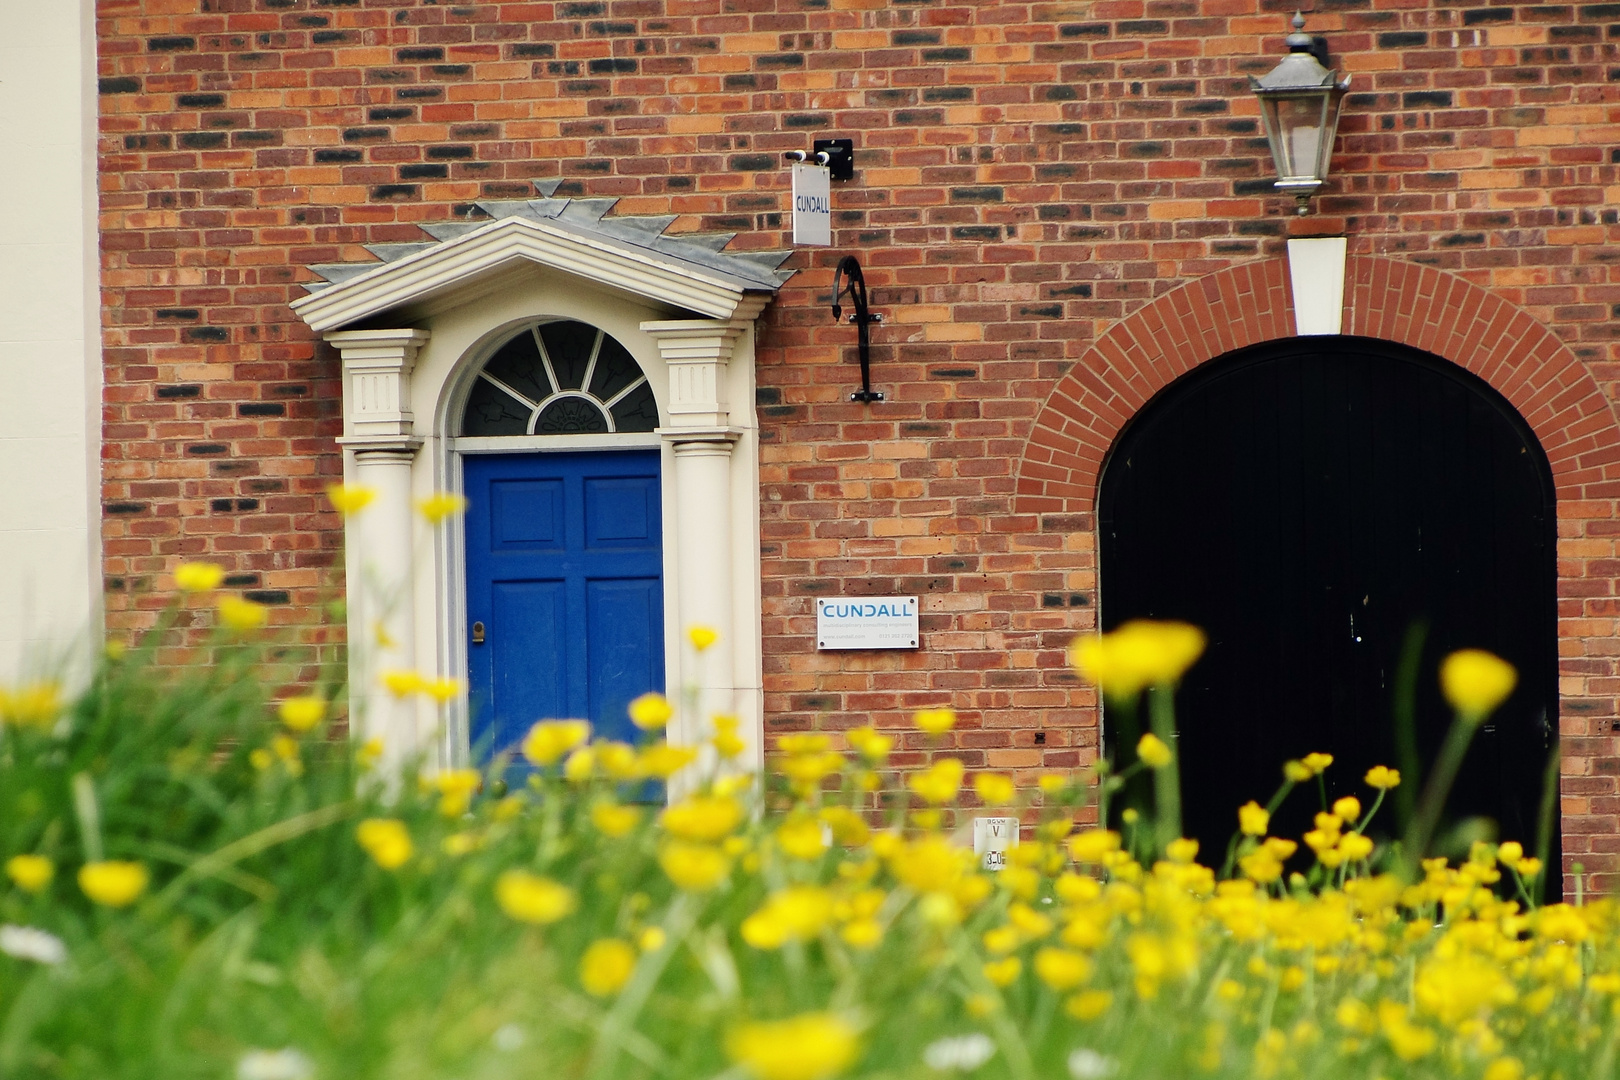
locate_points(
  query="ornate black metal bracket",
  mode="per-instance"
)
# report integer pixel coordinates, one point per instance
(848, 278)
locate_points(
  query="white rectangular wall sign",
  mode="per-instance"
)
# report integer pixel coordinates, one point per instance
(812, 204)
(992, 836)
(867, 622)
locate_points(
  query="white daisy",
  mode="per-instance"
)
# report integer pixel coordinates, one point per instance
(1087, 1064)
(284, 1064)
(32, 943)
(959, 1053)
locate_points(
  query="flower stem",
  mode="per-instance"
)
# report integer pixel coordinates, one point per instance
(1166, 781)
(1421, 831)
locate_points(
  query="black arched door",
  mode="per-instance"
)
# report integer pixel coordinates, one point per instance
(1306, 501)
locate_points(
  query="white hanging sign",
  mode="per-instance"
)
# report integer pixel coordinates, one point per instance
(867, 622)
(812, 204)
(992, 836)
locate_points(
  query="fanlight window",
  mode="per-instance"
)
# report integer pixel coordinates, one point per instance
(560, 378)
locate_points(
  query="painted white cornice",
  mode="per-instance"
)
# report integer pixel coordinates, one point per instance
(459, 262)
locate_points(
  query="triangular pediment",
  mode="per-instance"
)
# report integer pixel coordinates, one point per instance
(631, 255)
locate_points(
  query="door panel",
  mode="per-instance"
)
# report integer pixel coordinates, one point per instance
(528, 640)
(620, 665)
(621, 512)
(1306, 502)
(527, 513)
(564, 569)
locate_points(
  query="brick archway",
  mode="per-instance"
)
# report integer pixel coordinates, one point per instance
(1395, 301)
(1442, 314)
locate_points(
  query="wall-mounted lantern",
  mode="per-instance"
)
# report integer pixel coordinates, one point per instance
(848, 278)
(1299, 100)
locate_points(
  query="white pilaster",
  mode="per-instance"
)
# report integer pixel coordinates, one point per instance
(379, 431)
(698, 353)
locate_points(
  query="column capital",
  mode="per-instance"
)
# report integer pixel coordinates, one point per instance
(377, 368)
(697, 353)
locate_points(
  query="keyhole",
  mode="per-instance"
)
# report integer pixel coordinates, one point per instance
(478, 633)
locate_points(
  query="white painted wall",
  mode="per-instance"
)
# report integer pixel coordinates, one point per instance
(50, 349)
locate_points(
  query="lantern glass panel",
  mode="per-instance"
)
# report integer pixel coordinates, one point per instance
(1299, 123)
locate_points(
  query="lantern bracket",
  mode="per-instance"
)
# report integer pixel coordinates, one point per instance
(848, 278)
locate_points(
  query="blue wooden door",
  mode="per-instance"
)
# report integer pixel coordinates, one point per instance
(565, 574)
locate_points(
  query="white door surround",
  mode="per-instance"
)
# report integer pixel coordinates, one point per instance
(403, 394)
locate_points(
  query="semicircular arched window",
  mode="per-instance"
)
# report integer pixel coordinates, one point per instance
(560, 378)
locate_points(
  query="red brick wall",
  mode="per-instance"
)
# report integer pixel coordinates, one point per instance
(1028, 176)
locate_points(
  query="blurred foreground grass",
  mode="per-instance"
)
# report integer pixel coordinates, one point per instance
(201, 882)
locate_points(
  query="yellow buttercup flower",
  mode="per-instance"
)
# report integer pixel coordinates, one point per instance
(369, 752)
(848, 827)
(240, 613)
(1355, 846)
(442, 689)
(386, 840)
(30, 873)
(1410, 1041)
(1089, 1004)
(198, 576)
(1092, 847)
(862, 934)
(1153, 752)
(580, 766)
(349, 499)
(113, 883)
(650, 712)
(618, 760)
(796, 913)
(1504, 1068)
(440, 505)
(869, 744)
(1297, 771)
(303, 712)
(614, 820)
(33, 704)
(652, 939)
(1382, 777)
(995, 789)
(402, 683)
(693, 867)
(1475, 682)
(1061, 969)
(533, 899)
(551, 739)
(1347, 808)
(606, 966)
(1183, 850)
(727, 743)
(702, 637)
(456, 788)
(704, 818)
(1139, 654)
(938, 783)
(802, 837)
(1253, 819)
(1003, 972)
(1317, 763)
(934, 721)
(662, 761)
(811, 1046)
